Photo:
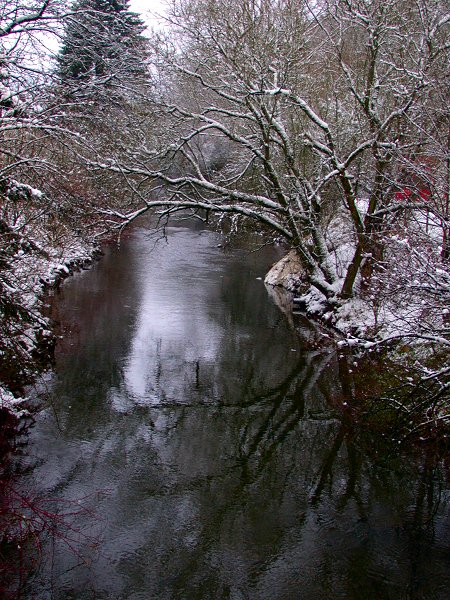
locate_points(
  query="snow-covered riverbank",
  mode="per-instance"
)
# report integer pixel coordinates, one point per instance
(405, 297)
(400, 312)
(37, 252)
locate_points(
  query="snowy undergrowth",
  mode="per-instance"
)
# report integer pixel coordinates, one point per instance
(37, 250)
(407, 296)
(11, 404)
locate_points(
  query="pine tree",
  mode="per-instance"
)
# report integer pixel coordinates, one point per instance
(103, 47)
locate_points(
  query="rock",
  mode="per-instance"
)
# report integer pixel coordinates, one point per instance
(287, 273)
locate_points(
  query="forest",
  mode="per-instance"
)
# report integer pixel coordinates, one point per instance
(320, 124)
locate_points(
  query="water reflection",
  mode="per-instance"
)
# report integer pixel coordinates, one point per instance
(199, 428)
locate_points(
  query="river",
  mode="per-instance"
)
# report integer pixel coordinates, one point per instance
(194, 445)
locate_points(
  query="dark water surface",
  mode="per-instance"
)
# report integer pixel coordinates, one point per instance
(198, 448)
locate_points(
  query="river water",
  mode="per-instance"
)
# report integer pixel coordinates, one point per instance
(196, 446)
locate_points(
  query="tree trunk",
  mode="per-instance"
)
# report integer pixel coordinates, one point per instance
(352, 272)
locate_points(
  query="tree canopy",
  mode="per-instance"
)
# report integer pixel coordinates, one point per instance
(102, 45)
(292, 114)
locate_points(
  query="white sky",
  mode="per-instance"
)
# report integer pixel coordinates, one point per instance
(146, 7)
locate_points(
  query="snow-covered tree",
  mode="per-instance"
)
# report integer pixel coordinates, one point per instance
(37, 210)
(27, 30)
(103, 48)
(305, 117)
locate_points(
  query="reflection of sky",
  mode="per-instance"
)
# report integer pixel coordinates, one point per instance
(173, 329)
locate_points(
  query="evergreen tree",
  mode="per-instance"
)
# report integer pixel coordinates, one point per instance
(103, 46)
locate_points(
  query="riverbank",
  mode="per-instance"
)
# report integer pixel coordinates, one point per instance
(402, 338)
(37, 252)
(32, 347)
